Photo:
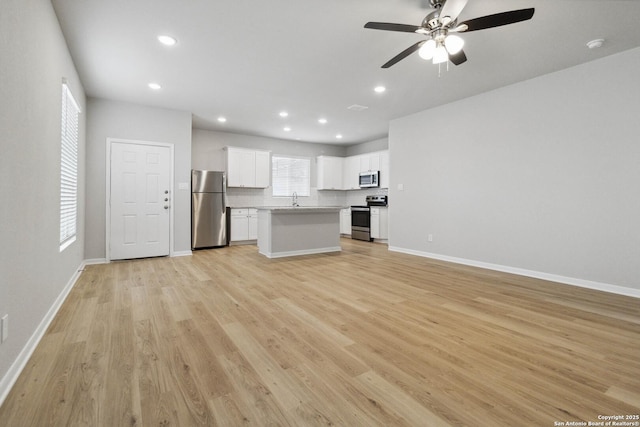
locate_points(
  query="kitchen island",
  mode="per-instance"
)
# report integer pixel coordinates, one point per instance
(300, 230)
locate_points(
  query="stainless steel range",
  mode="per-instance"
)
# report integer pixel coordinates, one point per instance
(361, 218)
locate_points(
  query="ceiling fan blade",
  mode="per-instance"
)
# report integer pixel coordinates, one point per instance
(387, 26)
(458, 58)
(496, 20)
(408, 51)
(451, 9)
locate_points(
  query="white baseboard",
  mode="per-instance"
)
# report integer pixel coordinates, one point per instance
(605, 287)
(7, 382)
(182, 253)
(301, 252)
(95, 261)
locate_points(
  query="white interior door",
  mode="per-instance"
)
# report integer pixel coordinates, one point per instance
(140, 197)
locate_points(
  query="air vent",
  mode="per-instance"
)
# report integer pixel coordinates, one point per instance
(356, 107)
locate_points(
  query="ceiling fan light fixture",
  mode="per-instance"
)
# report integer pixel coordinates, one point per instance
(440, 55)
(461, 28)
(453, 44)
(427, 50)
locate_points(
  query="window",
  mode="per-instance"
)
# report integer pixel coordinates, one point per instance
(289, 175)
(68, 168)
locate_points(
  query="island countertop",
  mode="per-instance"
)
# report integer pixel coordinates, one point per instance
(301, 209)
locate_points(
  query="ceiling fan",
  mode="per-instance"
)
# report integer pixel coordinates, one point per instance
(440, 25)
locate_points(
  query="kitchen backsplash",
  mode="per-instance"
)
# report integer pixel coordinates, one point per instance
(252, 197)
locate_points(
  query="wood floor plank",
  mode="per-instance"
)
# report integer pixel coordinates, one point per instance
(408, 409)
(275, 378)
(364, 337)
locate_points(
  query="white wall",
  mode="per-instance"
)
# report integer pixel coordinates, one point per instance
(110, 119)
(33, 272)
(543, 175)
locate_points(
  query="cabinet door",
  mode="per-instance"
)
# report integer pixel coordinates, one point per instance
(383, 222)
(252, 220)
(241, 171)
(262, 169)
(330, 173)
(374, 161)
(375, 223)
(384, 169)
(345, 221)
(239, 225)
(365, 163)
(336, 173)
(351, 173)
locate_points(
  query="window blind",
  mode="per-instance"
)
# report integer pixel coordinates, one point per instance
(289, 175)
(68, 168)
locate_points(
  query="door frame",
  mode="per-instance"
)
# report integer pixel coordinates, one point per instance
(110, 141)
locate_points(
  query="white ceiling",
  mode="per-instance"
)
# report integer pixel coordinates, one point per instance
(248, 60)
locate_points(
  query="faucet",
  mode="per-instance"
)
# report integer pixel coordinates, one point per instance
(294, 201)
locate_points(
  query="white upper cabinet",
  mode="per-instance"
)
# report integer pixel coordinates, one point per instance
(248, 168)
(384, 169)
(330, 171)
(350, 178)
(263, 169)
(370, 162)
(343, 173)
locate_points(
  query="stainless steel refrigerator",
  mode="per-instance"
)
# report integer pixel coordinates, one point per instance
(208, 209)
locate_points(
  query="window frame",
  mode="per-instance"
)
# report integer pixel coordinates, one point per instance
(69, 136)
(302, 189)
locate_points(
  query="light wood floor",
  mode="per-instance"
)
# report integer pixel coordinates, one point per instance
(366, 337)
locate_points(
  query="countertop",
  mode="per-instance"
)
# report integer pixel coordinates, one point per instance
(289, 209)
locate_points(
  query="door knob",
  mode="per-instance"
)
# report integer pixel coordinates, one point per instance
(166, 199)
(166, 191)
(166, 206)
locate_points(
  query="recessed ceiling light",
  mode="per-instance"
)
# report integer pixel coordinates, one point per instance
(356, 107)
(322, 121)
(154, 86)
(287, 129)
(594, 44)
(167, 40)
(222, 119)
(339, 136)
(379, 89)
(284, 114)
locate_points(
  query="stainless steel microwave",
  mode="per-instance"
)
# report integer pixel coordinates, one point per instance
(369, 179)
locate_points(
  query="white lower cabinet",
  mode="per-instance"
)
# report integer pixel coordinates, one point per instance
(244, 224)
(345, 221)
(379, 223)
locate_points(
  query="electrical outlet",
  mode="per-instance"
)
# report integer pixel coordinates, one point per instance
(430, 237)
(5, 328)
